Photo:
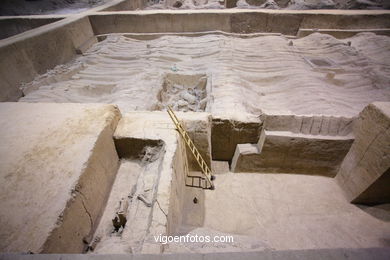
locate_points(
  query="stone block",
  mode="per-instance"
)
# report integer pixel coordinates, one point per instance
(364, 173)
(58, 162)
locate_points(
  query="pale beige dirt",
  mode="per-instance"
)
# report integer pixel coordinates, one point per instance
(234, 78)
(169, 196)
(248, 76)
(134, 178)
(47, 152)
(270, 4)
(283, 212)
(124, 185)
(364, 173)
(271, 74)
(241, 243)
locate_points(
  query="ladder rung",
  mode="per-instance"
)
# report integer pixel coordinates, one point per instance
(203, 165)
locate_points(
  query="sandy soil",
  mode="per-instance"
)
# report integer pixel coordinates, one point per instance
(314, 75)
(241, 243)
(43, 171)
(136, 183)
(271, 4)
(262, 210)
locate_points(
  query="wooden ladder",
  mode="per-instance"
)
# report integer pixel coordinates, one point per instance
(206, 180)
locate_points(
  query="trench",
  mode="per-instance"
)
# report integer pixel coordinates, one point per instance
(271, 193)
(129, 209)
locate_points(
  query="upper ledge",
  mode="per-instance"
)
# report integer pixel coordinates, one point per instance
(41, 30)
(39, 16)
(265, 11)
(99, 11)
(68, 19)
(99, 8)
(307, 136)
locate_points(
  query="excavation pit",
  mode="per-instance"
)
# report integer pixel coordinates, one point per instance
(184, 92)
(275, 116)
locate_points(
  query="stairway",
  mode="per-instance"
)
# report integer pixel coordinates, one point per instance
(296, 151)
